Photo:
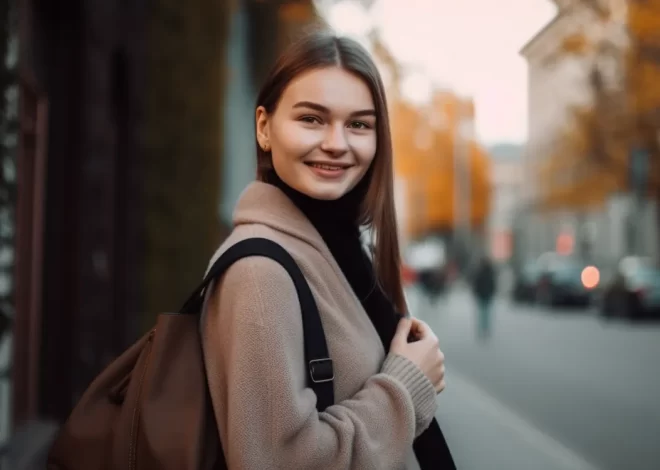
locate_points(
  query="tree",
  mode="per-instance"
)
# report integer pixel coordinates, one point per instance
(577, 163)
(424, 146)
(480, 186)
(623, 80)
(643, 84)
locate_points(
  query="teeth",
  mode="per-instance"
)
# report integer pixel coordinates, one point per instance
(326, 167)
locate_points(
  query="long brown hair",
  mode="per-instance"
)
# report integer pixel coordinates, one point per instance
(322, 49)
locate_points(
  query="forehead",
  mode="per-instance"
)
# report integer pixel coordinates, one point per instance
(332, 87)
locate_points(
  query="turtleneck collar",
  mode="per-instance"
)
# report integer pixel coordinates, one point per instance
(339, 215)
(337, 223)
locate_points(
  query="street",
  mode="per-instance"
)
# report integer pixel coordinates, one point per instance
(549, 390)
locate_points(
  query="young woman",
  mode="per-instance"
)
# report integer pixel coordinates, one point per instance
(324, 172)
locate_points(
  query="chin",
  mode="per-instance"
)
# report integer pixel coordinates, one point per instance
(325, 191)
(329, 194)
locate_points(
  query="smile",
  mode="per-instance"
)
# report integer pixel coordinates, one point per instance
(326, 166)
(328, 171)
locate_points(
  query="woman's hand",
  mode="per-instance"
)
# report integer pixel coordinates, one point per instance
(424, 352)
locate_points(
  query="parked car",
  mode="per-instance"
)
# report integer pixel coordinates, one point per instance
(425, 262)
(525, 282)
(565, 280)
(633, 292)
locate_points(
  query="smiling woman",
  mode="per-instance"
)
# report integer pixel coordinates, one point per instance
(324, 173)
(322, 135)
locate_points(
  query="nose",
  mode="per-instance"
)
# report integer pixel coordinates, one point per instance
(335, 140)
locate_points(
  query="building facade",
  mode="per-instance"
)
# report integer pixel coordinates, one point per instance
(125, 177)
(558, 83)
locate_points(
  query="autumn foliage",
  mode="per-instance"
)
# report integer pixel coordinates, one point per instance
(424, 140)
(592, 155)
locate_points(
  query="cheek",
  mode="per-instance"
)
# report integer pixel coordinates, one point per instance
(364, 148)
(295, 141)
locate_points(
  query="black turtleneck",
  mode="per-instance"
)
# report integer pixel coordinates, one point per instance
(337, 223)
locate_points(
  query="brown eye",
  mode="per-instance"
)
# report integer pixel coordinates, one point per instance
(310, 120)
(359, 125)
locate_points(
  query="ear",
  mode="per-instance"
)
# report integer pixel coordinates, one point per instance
(263, 128)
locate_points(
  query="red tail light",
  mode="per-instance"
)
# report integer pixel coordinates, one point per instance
(408, 275)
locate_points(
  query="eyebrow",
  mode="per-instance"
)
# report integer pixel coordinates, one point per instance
(322, 109)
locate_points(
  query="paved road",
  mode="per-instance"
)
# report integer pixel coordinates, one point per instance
(549, 390)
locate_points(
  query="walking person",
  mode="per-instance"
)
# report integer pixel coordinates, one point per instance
(484, 286)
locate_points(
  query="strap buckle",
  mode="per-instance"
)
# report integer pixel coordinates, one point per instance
(321, 370)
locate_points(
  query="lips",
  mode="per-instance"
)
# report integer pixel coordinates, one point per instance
(328, 171)
(328, 166)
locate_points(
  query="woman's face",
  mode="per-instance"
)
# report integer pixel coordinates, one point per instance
(322, 135)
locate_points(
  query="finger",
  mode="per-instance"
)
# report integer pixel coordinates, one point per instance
(420, 328)
(415, 331)
(426, 333)
(414, 328)
(441, 386)
(403, 330)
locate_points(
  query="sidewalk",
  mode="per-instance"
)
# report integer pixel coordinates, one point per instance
(484, 435)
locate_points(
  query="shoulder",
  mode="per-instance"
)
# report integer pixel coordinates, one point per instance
(254, 283)
(244, 232)
(257, 275)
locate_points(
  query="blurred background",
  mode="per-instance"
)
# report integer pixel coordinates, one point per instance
(527, 176)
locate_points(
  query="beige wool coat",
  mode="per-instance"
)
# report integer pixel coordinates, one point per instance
(253, 348)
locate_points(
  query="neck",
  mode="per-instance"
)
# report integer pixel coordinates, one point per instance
(339, 215)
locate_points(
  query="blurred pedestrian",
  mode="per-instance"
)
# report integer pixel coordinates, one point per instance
(484, 286)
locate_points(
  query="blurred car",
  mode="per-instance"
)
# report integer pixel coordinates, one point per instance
(408, 275)
(566, 281)
(525, 282)
(425, 264)
(633, 292)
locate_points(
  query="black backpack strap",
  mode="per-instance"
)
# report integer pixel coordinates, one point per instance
(431, 449)
(320, 374)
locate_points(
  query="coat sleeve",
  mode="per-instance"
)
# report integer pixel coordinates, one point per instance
(267, 417)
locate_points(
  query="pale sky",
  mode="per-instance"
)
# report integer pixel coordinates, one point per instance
(470, 46)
